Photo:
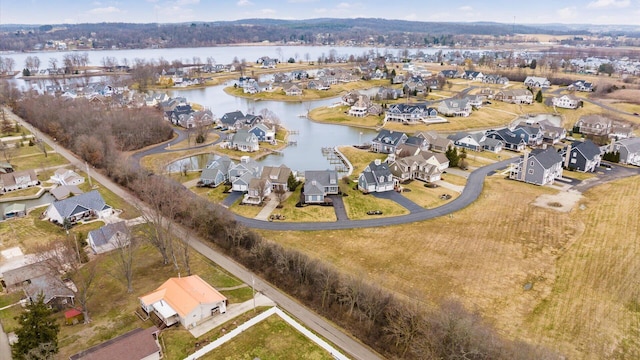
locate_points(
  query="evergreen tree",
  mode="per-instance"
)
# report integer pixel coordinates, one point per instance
(452, 155)
(38, 332)
(539, 96)
(292, 183)
(533, 64)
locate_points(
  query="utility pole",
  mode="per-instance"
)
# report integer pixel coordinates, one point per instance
(253, 289)
(88, 174)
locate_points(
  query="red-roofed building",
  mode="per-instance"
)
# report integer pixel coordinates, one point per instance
(73, 316)
(187, 300)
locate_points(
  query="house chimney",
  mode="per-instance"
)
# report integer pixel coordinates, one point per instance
(567, 156)
(525, 164)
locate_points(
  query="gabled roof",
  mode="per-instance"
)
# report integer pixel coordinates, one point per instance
(547, 157)
(9, 179)
(587, 148)
(389, 137)
(184, 294)
(64, 191)
(632, 144)
(276, 174)
(230, 118)
(102, 235)
(49, 286)
(507, 136)
(23, 273)
(91, 200)
(135, 345)
(316, 180)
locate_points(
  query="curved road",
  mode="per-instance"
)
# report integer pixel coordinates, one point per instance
(313, 321)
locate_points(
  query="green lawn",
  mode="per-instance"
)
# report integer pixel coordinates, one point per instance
(454, 179)
(357, 204)
(179, 343)
(128, 211)
(248, 211)
(337, 115)
(30, 191)
(426, 197)
(360, 159)
(238, 295)
(37, 161)
(271, 338)
(215, 195)
(306, 213)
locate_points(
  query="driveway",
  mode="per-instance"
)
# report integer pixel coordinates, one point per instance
(400, 200)
(338, 207)
(5, 348)
(604, 175)
(231, 198)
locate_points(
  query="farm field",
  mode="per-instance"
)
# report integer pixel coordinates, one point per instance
(554, 278)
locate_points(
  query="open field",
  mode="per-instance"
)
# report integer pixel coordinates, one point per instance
(158, 162)
(37, 161)
(214, 195)
(576, 266)
(271, 338)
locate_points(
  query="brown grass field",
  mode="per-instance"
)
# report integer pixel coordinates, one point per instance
(582, 265)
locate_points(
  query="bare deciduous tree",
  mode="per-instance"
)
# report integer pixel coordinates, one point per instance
(126, 245)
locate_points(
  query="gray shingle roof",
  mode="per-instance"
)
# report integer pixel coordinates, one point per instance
(548, 157)
(587, 148)
(104, 234)
(91, 200)
(48, 286)
(632, 144)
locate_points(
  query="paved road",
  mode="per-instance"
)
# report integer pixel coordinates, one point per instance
(309, 318)
(5, 348)
(470, 193)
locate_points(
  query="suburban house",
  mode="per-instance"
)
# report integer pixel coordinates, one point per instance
(537, 82)
(550, 133)
(583, 156)
(415, 167)
(64, 176)
(57, 295)
(244, 140)
(240, 174)
(376, 177)
(291, 89)
(237, 120)
(594, 125)
(318, 184)
(77, 208)
(109, 237)
(257, 191)
(38, 278)
(387, 140)
(566, 102)
(495, 79)
(278, 176)
(417, 141)
(455, 107)
(216, 171)
(540, 167)
(196, 119)
(473, 75)
(411, 113)
(515, 96)
(263, 132)
(439, 160)
(511, 140)
(629, 150)
(363, 107)
(137, 344)
(186, 300)
(581, 85)
(476, 141)
(451, 74)
(18, 180)
(531, 134)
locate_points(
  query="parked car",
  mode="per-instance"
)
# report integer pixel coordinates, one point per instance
(431, 185)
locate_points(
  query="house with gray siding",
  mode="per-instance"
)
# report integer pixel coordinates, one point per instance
(376, 177)
(318, 184)
(539, 167)
(629, 150)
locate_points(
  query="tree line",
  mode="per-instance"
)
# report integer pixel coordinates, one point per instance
(394, 326)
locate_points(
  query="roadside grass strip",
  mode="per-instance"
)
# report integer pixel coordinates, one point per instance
(258, 318)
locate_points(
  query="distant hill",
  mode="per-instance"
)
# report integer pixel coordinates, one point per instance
(327, 31)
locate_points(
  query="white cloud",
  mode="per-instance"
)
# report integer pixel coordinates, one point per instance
(105, 10)
(267, 11)
(188, 2)
(301, 1)
(244, 3)
(465, 8)
(568, 12)
(320, 11)
(343, 5)
(598, 4)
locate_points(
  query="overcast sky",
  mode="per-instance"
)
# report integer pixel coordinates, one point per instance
(167, 11)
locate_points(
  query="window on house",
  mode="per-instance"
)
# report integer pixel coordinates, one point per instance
(531, 163)
(573, 161)
(530, 171)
